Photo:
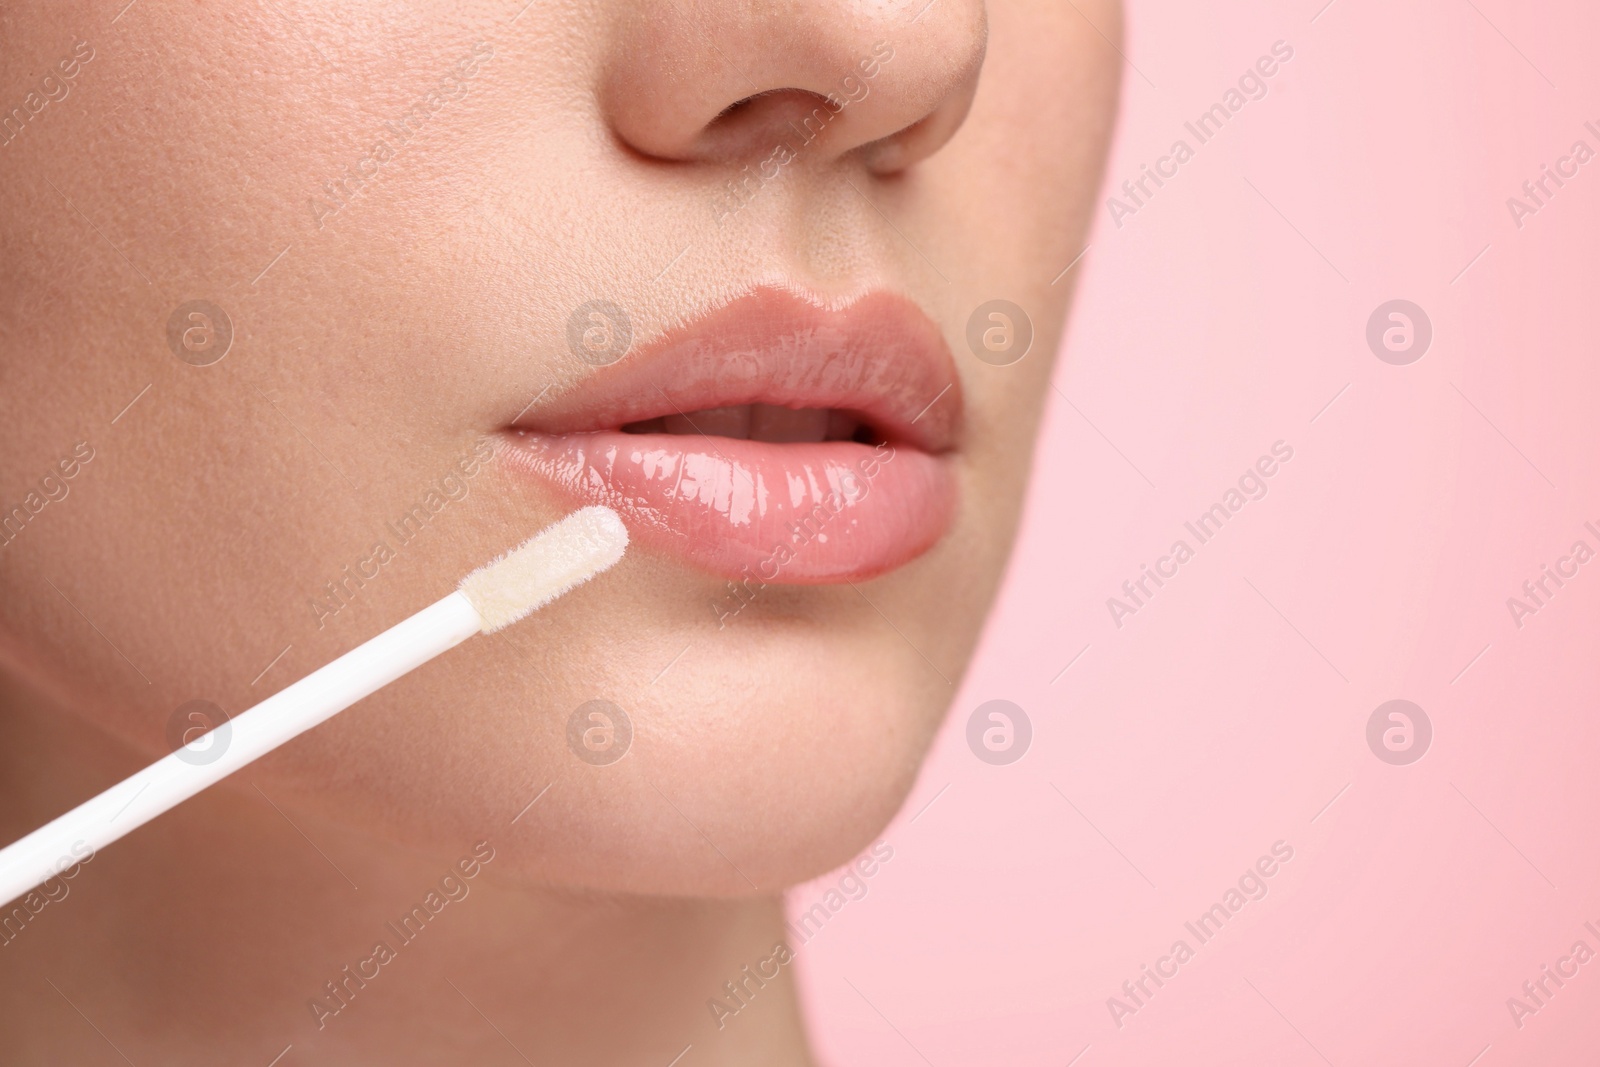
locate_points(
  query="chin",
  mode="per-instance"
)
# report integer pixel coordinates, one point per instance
(754, 756)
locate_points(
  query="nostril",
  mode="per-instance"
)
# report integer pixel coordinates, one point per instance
(761, 122)
(820, 77)
(739, 106)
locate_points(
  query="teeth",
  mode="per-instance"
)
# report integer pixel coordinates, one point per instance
(757, 422)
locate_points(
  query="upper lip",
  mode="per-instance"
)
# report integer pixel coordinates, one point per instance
(879, 357)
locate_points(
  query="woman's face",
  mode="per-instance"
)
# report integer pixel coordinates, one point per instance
(727, 267)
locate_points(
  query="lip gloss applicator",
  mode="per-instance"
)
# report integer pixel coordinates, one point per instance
(552, 562)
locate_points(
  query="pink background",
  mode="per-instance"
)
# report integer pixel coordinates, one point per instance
(1207, 727)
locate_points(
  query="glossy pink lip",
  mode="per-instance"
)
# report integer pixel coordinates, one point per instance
(800, 513)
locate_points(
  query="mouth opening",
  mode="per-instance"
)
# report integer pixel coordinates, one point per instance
(765, 422)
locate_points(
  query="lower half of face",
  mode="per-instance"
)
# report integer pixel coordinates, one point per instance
(340, 307)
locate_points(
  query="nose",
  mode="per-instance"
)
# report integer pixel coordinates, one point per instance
(726, 81)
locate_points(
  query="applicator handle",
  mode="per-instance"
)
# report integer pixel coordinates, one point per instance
(246, 737)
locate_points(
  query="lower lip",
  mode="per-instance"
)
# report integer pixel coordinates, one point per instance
(832, 511)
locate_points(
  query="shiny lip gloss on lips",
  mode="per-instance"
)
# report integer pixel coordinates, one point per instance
(771, 436)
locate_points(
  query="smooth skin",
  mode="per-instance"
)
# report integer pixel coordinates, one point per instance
(384, 328)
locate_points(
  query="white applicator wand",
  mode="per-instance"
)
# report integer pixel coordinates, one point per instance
(520, 582)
